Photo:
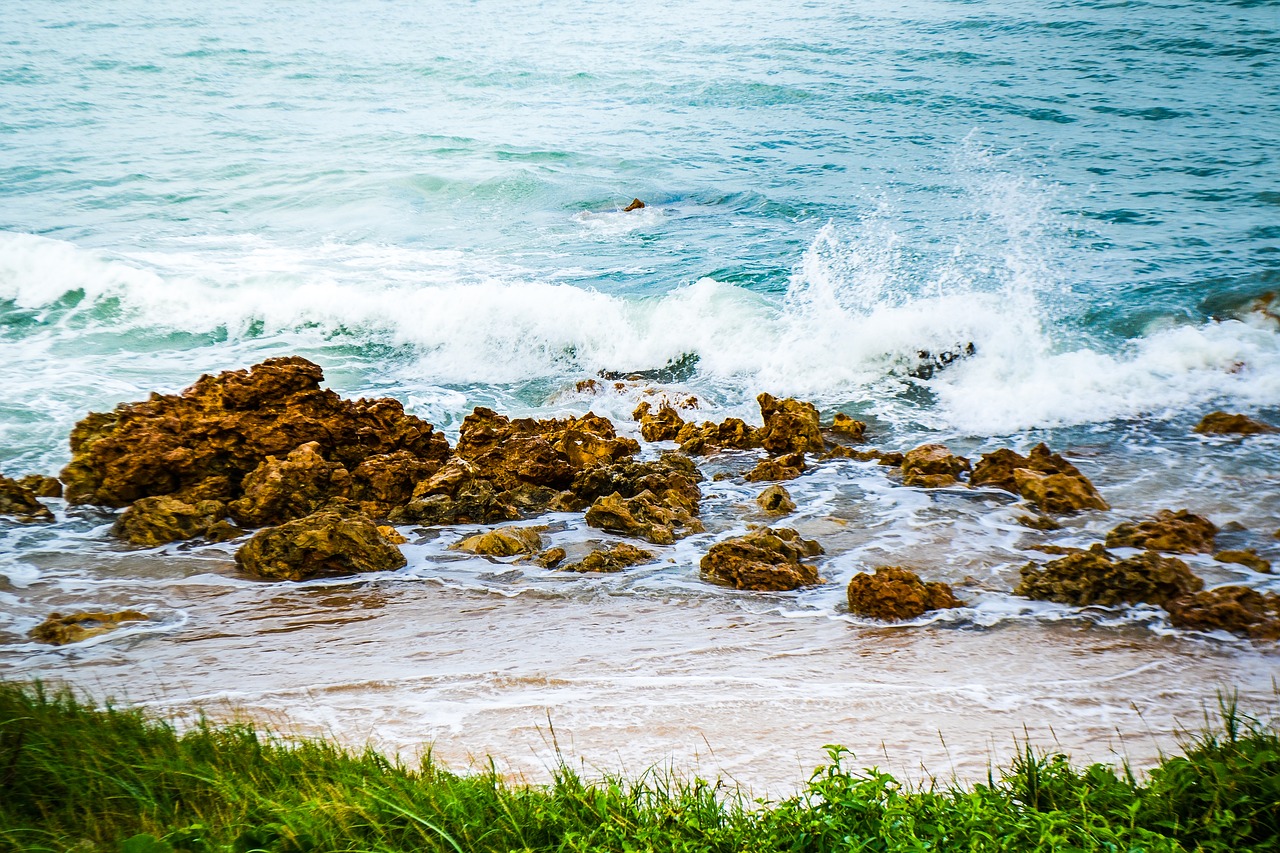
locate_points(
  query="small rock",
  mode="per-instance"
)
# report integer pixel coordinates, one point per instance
(1222, 423)
(1039, 522)
(223, 531)
(790, 426)
(762, 560)
(636, 204)
(732, 432)
(155, 521)
(848, 427)
(389, 533)
(644, 516)
(42, 486)
(60, 629)
(664, 426)
(1094, 576)
(776, 500)
(894, 593)
(503, 542)
(932, 466)
(1180, 532)
(20, 502)
(614, 558)
(1237, 609)
(328, 542)
(1043, 477)
(1247, 557)
(550, 558)
(786, 467)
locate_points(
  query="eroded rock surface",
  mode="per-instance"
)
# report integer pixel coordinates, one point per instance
(613, 558)
(1223, 423)
(60, 629)
(503, 542)
(1246, 557)
(1180, 532)
(19, 502)
(1096, 577)
(932, 466)
(776, 500)
(42, 486)
(849, 428)
(790, 426)
(1237, 609)
(895, 593)
(786, 467)
(673, 479)
(764, 559)
(155, 521)
(280, 490)
(325, 543)
(1043, 477)
(645, 516)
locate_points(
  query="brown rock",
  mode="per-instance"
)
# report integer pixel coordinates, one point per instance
(60, 629)
(225, 426)
(1039, 522)
(1180, 532)
(42, 486)
(1248, 558)
(328, 542)
(1222, 423)
(932, 466)
(664, 426)
(389, 533)
(1058, 493)
(846, 426)
(762, 560)
(996, 470)
(636, 204)
(20, 502)
(1238, 609)
(222, 531)
(550, 558)
(644, 516)
(614, 558)
(895, 593)
(777, 468)
(673, 479)
(456, 494)
(280, 490)
(790, 426)
(154, 521)
(383, 482)
(776, 500)
(1096, 577)
(732, 432)
(1044, 478)
(503, 542)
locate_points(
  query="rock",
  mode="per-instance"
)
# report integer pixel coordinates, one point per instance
(995, 470)
(1247, 557)
(1039, 522)
(848, 427)
(456, 494)
(280, 490)
(386, 481)
(1058, 493)
(327, 543)
(222, 531)
(644, 516)
(790, 426)
(389, 533)
(60, 629)
(894, 593)
(154, 521)
(776, 500)
(225, 426)
(1237, 609)
(672, 478)
(42, 486)
(890, 459)
(614, 558)
(932, 466)
(664, 426)
(1180, 532)
(762, 560)
(1222, 423)
(777, 468)
(20, 502)
(636, 204)
(550, 558)
(677, 369)
(1043, 477)
(732, 432)
(1096, 577)
(503, 542)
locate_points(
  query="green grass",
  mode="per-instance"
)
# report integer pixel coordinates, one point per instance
(77, 777)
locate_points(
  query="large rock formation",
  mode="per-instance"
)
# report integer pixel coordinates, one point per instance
(932, 466)
(764, 559)
(895, 593)
(672, 478)
(19, 502)
(329, 542)
(1238, 609)
(1180, 532)
(1043, 477)
(280, 490)
(1096, 577)
(1222, 423)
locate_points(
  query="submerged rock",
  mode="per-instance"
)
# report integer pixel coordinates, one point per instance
(155, 521)
(776, 500)
(636, 204)
(19, 502)
(645, 516)
(614, 558)
(60, 629)
(1246, 557)
(786, 467)
(888, 458)
(1237, 609)
(1180, 532)
(790, 426)
(329, 542)
(1042, 477)
(763, 560)
(894, 593)
(932, 466)
(1222, 423)
(280, 490)
(503, 542)
(1095, 577)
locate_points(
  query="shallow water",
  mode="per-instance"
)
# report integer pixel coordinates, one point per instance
(427, 202)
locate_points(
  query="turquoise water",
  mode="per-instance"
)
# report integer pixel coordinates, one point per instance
(426, 199)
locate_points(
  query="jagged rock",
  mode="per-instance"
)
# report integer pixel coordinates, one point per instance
(1180, 532)
(1222, 423)
(776, 500)
(932, 466)
(1096, 577)
(1247, 557)
(732, 432)
(664, 426)
(329, 542)
(636, 204)
(42, 486)
(503, 542)
(673, 478)
(848, 427)
(389, 533)
(456, 494)
(280, 490)
(1058, 493)
(644, 516)
(996, 469)
(614, 558)
(888, 458)
(790, 426)
(762, 560)
(1043, 477)
(225, 426)
(895, 593)
(550, 558)
(386, 481)
(1237, 609)
(777, 468)
(20, 502)
(154, 521)
(60, 629)
(222, 531)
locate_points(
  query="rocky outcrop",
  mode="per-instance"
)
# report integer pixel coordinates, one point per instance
(503, 542)
(762, 560)
(613, 558)
(458, 494)
(673, 478)
(847, 427)
(1237, 609)
(325, 543)
(551, 558)
(1180, 532)
(786, 467)
(731, 432)
(664, 425)
(155, 521)
(776, 500)
(60, 629)
(790, 426)
(932, 466)
(19, 502)
(382, 483)
(1246, 557)
(1222, 423)
(223, 427)
(1043, 477)
(42, 486)
(1096, 577)
(644, 516)
(280, 490)
(895, 593)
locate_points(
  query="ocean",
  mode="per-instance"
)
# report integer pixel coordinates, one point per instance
(427, 200)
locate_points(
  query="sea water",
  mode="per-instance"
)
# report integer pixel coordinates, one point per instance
(426, 199)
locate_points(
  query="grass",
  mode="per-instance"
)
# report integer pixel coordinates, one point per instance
(74, 777)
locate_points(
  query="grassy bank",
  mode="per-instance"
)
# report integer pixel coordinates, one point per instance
(75, 777)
